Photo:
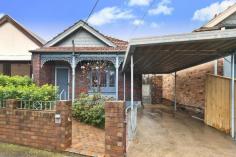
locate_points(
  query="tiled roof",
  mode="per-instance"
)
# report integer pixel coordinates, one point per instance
(117, 42)
(120, 45)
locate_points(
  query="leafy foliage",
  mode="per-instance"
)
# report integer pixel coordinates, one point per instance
(90, 110)
(15, 81)
(18, 87)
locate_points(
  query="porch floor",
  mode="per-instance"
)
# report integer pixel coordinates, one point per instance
(87, 140)
(160, 133)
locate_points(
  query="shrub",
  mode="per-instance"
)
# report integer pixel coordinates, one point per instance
(15, 81)
(22, 88)
(90, 110)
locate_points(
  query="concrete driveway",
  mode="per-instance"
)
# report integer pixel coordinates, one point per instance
(161, 134)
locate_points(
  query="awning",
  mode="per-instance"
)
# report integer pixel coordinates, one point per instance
(167, 54)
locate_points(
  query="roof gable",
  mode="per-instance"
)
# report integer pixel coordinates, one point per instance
(71, 31)
(221, 17)
(82, 38)
(36, 39)
(228, 22)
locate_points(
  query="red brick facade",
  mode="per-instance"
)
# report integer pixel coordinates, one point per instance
(190, 84)
(46, 75)
(36, 128)
(156, 89)
(115, 129)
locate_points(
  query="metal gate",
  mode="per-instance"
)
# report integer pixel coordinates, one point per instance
(131, 119)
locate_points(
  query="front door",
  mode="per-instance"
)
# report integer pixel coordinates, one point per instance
(62, 82)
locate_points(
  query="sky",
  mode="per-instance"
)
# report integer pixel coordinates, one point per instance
(124, 19)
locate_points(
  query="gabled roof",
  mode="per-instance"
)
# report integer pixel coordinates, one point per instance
(121, 46)
(212, 24)
(35, 38)
(73, 28)
(222, 16)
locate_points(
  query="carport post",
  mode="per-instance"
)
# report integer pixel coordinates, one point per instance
(175, 93)
(132, 81)
(232, 95)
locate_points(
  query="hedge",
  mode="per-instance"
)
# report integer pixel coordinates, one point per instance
(22, 88)
(15, 81)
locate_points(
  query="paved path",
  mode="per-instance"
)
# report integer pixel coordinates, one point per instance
(87, 140)
(160, 134)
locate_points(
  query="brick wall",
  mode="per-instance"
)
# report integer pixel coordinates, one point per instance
(156, 89)
(137, 86)
(115, 129)
(36, 128)
(36, 67)
(190, 84)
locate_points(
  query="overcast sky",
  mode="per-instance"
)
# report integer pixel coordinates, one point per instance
(124, 19)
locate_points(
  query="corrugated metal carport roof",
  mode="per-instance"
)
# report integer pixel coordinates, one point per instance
(167, 54)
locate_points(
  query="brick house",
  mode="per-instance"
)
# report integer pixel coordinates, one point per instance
(83, 60)
(190, 86)
(15, 43)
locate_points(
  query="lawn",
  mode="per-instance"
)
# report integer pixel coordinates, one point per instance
(10, 150)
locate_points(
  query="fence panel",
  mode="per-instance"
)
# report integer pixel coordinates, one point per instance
(217, 103)
(37, 105)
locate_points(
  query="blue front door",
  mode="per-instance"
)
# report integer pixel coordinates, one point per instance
(62, 82)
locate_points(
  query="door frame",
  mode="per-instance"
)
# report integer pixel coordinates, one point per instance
(68, 88)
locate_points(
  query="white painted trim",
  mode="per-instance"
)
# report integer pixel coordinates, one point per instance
(63, 67)
(117, 77)
(75, 27)
(132, 81)
(221, 17)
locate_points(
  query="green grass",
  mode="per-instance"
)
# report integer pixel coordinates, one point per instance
(10, 150)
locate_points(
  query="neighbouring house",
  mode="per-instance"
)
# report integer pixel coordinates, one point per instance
(15, 43)
(83, 60)
(190, 85)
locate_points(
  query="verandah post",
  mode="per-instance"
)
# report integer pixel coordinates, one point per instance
(73, 72)
(117, 77)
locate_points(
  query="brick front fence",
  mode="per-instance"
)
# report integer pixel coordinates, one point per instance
(115, 129)
(36, 128)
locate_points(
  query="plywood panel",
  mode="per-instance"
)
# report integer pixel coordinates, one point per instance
(217, 103)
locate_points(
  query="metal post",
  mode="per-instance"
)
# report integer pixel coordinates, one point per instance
(232, 96)
(132, 82)
(124, 87)
(117, 77)
(215, 68)
(175, 93)
(73, 72)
